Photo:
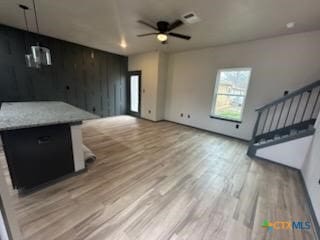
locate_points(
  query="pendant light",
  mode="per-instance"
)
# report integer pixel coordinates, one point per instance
(30, 62)
(41, 55)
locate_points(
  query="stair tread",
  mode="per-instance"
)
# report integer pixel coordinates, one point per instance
(293, 132)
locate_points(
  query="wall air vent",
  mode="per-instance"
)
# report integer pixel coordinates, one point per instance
(190, 18)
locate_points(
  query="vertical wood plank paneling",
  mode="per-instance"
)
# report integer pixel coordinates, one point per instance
(104, 86)
(123, 85)
(100, 59)
(59, 91)
(117, 84)
(111, 85)
(14, 80)
(96, 83)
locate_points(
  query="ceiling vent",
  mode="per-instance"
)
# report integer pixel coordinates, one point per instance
(191, 18)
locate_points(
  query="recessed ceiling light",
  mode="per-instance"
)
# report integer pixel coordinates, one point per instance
(291, 25)
(123, 44)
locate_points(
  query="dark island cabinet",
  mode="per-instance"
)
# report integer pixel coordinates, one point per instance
(38, 155)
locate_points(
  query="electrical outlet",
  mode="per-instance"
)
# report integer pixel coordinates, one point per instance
(181, 114)
(237, 126)
(188, 116)
(149, 111)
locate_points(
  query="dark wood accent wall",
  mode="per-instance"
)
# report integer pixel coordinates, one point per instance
(88, 78)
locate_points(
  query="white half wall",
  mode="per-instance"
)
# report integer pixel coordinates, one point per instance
(291, 153)
(311, 171)
(278, 64)
(77, 147)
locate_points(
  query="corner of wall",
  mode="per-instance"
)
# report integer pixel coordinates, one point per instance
(153, 66)
(161, 89)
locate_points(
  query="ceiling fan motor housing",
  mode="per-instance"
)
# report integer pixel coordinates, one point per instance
(162, 26)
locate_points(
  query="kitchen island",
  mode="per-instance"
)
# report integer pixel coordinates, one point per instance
(42, 141)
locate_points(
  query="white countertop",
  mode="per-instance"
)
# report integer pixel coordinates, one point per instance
(17, 115)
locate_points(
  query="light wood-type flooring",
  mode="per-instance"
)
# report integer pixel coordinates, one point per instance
(165, 181)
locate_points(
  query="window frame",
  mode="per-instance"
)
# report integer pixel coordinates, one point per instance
(216, 88)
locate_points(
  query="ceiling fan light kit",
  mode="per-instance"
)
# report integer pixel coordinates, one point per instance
(164, 30)
(162, 37)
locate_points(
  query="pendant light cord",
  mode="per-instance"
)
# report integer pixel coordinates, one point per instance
(36, 16)
(25, 20)
(24, 8)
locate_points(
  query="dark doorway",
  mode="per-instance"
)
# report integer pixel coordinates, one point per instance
(134, 96)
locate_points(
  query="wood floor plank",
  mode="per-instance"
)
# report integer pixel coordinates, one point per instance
(164, 181)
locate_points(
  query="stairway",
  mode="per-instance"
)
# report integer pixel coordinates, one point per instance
(286, 119)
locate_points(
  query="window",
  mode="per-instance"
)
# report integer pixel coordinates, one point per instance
(230, 93)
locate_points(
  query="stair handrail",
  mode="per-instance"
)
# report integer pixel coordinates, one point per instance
(281, 102)
(273, 127)
(290, 95)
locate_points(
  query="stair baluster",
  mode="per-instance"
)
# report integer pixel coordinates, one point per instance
(265, 135)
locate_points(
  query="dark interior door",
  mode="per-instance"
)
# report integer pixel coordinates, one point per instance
(134, 96)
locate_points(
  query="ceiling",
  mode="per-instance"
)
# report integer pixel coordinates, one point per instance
(103, 24)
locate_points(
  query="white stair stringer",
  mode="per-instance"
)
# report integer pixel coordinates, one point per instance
(291, 153)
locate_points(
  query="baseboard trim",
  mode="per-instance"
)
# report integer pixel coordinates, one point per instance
(206, 130)
(147, 119)
(277, 163)
(306, 193)
(198, 128)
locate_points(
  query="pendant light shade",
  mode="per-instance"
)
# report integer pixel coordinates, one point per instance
(31, 62)
(41, 55)
(28, 57)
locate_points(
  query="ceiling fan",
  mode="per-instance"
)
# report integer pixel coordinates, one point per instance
(164, 29)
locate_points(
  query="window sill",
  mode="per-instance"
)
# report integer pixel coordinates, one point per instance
(225, 119)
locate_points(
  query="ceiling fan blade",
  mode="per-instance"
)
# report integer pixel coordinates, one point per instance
(146, 34)
(175, 24)
(147, 24)
(178, 35)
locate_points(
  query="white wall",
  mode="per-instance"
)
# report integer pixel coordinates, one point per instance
(278, 64)
(311, 171)
(77, 148)
(291, 153)
(148, 65)
(162, 79)
(153, 67)
(3, 229)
